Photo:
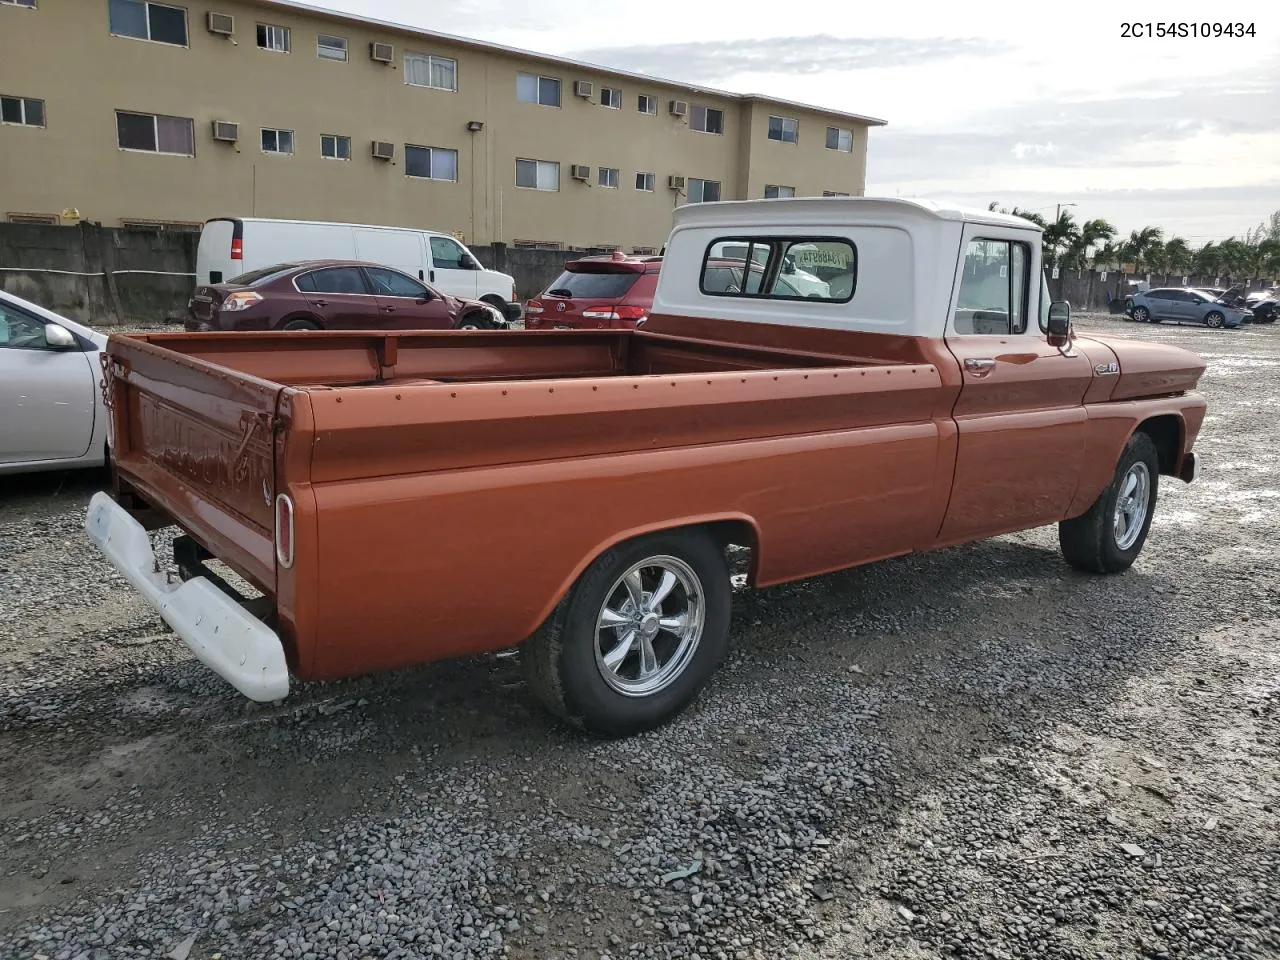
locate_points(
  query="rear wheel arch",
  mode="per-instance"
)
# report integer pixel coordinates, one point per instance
(561, 658)
(494, 300)
(726, 531)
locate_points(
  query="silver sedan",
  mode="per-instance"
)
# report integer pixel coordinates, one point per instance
(51, 412)
(1185, 305)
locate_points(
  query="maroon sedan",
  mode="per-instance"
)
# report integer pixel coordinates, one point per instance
(333, 295)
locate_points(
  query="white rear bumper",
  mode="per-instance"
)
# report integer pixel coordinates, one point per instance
(224, 636)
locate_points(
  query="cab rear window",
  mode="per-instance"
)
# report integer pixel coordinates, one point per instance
(593, 285)
(781, 268)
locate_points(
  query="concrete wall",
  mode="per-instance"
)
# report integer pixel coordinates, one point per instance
(83, 273)
(74, 161)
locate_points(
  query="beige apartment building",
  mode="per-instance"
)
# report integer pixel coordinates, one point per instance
(136, 112)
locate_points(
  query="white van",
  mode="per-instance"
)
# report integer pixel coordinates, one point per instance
(230, 246)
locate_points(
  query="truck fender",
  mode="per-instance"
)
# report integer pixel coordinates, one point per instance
(725, 521)
(1107, 437)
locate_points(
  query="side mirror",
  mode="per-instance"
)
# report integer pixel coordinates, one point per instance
(58, 337)
(1059, 323)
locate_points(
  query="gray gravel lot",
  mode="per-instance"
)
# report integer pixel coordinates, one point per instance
(971, 753)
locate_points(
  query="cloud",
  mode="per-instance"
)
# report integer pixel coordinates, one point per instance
(715, 61)
(1023, 150)
(1121, 130)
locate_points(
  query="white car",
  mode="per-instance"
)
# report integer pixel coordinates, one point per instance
(52, 416)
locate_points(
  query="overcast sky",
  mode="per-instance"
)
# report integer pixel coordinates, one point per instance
(982, 103)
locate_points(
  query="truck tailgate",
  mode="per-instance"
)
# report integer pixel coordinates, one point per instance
(198, 443)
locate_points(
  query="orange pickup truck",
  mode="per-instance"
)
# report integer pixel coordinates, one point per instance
(404, 497)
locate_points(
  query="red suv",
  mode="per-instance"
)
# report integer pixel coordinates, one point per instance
(596, 292)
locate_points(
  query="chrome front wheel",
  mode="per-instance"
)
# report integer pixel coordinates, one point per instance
(649, 626)
(1132, 505)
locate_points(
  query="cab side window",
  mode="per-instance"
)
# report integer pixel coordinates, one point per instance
(447, 255)
(993, 290)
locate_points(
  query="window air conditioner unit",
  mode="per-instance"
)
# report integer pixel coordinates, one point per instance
(580, 171)
(222, 24)
(584, 88)
(678, 108)
(382, 52)
(675, 183)
(226, 130)
(383, 150)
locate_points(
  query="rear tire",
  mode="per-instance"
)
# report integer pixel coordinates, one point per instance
(614, 667)
(1109, 537)
(300, 324)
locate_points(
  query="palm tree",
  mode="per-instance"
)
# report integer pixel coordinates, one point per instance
(1061, 233)
(1177, 255)
(994, 207)
(1092, 233)
(1140, 244)
(1207, 260)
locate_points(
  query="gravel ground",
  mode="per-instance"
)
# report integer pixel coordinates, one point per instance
(971, 753)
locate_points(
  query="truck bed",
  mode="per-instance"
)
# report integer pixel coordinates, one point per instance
(386, 441)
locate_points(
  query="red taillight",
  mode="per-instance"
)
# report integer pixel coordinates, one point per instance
(533, 306)
(284, 530)
(237, 249)
(620, 312)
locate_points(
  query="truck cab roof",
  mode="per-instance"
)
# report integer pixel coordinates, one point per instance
(806, 210)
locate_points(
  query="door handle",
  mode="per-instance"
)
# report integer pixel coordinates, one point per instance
(321, 303)
(420, 276)
(388, 309)
(979, 366)
(433, 276)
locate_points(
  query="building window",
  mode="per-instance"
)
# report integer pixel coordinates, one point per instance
(142, 20)
(703, 191)
(609, 177)
(430, 163)
(335, 147)
(22, 110)
(647, 104)
(840, 139)
(538, 174)
(271, 37)
(644, 181)
(783, 129)
(30, 5)
(833, 193)
(331, 48)
(611, 97)
(155, 134)
(537, 244)
(706, 119)
(277, 141)
(42, 219)
(535, 89)
(439, 73)
(773, 191)
(643, 251)
(739, 266)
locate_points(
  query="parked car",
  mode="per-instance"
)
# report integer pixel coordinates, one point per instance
(1263, 305)
(617, 291)
(51, 410)
(603, 292)
(400, 499)
(1186, 305)
(333, 295)
(232, 246)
